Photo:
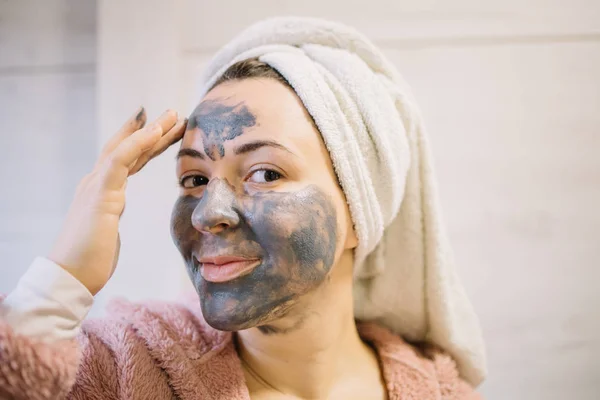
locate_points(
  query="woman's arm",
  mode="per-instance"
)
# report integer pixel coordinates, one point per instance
(48, 303)
(39, 355)
(43, 355)
(34, 369)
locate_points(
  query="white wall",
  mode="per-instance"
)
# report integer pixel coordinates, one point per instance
(47, 122)
(510, 91)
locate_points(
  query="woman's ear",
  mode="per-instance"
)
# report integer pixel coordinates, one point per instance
(351, 239)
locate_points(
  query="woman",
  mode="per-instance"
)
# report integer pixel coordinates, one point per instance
(306, 202)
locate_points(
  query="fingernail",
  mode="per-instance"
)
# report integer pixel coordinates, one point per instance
(140, 114)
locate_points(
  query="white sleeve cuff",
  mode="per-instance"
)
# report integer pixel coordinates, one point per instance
(48, 303)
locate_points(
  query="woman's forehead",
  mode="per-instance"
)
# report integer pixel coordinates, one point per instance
(252, 109)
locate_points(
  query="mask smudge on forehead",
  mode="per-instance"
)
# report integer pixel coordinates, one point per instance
(219, 123)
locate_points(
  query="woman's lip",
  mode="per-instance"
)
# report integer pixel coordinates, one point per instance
(213, 272)
(221, 260)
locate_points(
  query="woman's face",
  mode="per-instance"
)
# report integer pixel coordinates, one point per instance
(260, 220)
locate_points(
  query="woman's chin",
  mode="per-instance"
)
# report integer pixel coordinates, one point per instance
(224, 318)
(227, 323)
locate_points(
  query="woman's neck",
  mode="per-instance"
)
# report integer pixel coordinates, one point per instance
(315, 350)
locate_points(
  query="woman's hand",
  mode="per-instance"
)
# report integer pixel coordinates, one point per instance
(88, 244)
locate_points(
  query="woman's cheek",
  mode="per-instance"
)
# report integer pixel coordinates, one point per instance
(298, 228)
(182, 231)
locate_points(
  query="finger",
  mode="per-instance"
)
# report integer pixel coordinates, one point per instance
(115, 168)
(167, 120)
(170, 138)
(135, 122)
(117, 164)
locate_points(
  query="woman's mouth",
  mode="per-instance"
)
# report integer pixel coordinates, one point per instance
(226, 268)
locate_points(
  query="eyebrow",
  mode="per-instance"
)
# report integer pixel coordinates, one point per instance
(242, 149)
(252, 146)
(190, 153)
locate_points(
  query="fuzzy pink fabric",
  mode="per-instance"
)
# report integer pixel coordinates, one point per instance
(167, 351)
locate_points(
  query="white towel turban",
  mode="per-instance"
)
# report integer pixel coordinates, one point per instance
(404, 273)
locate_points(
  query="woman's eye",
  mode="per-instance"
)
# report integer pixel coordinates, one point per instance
(264, 176)
(192, 181)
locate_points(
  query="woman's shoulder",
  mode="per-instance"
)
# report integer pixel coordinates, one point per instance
(419, 368)
(153, 348)
(165, 329)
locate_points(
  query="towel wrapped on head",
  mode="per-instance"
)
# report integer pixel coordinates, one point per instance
(404, 273)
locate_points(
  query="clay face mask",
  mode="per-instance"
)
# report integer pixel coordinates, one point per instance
(292, 235)
(288, 238)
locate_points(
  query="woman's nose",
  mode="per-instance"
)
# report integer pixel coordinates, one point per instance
(216, 211)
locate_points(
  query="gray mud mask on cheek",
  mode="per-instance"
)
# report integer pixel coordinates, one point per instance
(293, 233)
